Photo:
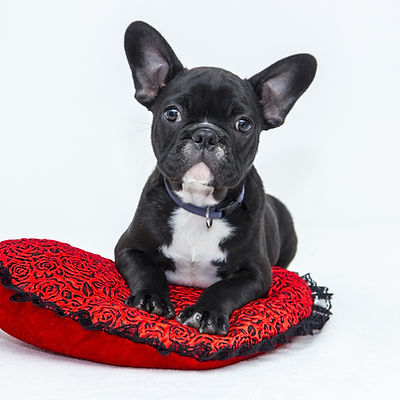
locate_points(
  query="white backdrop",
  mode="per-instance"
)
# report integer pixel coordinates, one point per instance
(75, 153)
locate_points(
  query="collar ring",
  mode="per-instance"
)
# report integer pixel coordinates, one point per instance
(209, 220)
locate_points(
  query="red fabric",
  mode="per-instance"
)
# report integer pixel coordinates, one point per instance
(45, 329)
(48, 279)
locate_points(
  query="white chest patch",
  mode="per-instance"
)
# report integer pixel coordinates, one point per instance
(194, 248)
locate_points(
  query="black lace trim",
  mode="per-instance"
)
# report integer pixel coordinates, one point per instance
(315, 321)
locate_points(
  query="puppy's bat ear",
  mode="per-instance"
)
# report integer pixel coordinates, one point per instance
(279, 86)
(152, 61)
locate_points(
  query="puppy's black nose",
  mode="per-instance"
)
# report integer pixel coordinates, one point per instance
(205, 138)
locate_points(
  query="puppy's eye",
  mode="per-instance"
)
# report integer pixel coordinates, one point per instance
(243, 125)
(172, 115)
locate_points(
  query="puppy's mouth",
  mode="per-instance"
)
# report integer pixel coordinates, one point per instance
(197, 185)
(199, 174)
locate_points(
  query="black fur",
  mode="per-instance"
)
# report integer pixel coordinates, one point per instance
(210, 101)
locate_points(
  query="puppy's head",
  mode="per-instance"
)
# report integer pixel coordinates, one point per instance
(207, 121)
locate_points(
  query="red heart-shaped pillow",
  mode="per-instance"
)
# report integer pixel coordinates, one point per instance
(70, 301)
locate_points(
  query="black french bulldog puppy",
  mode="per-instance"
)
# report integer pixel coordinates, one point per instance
(203, 218)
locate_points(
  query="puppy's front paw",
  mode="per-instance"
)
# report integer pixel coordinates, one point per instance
(205, 320)
(153, 304)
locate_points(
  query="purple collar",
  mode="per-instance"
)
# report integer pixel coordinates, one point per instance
(213, 212)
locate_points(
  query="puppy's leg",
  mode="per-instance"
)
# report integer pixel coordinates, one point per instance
(212, 311)
(287, 234)
(146, 281)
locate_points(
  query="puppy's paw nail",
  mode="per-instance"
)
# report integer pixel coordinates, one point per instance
(129, 301)
(170, 313)
(180, 317)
